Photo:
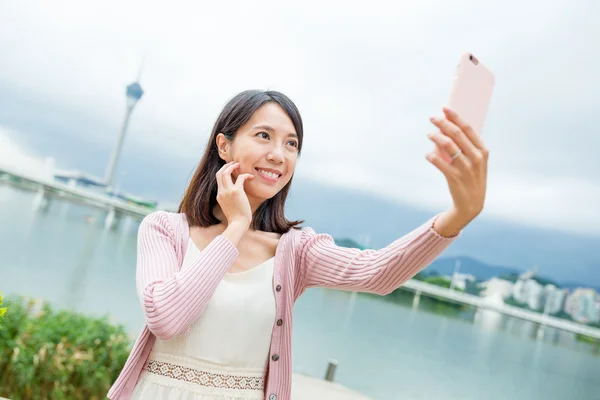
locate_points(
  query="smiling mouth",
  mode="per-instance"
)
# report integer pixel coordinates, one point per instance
(268, 175)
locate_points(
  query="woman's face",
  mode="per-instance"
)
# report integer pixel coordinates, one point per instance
(266, 146)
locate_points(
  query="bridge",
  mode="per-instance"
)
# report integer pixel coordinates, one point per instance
(419, 287)
(46, 188)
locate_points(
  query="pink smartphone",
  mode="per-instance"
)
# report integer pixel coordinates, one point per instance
(472, 91)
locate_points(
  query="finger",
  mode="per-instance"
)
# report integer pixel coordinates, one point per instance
(465, 127)
(447, 169)
(226, 175)
(239, 182)
(449, 148)
(219, 174)
(457, 134)
(224, 166)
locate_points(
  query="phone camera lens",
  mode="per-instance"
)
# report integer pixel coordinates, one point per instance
(473, 59)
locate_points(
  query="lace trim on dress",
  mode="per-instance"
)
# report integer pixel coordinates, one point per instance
(204, 378)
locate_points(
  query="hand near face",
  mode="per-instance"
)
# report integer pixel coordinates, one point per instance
(231, 196)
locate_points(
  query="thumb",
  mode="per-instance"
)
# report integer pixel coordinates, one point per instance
(239, 182)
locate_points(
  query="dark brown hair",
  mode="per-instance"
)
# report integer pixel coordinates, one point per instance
(201, 195)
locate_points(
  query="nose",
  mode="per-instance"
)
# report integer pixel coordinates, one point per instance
(276, 155)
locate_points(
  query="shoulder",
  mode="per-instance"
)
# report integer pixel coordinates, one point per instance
(165, 221)
(306, 237)
(309, 233)
(297, 234)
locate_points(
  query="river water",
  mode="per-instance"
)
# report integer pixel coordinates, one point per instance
(384, 350)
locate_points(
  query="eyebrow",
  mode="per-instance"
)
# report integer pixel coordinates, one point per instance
(268, 128)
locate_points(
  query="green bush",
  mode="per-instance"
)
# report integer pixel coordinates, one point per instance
(48, 354)
(2, 310)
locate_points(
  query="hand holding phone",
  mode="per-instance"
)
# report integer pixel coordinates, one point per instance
(460, 153)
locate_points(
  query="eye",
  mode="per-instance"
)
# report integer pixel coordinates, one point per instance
(293, 143)
(263, 135)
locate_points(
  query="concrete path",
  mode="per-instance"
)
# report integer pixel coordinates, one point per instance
(308, 388)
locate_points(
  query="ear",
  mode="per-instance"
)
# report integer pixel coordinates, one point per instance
(223, 146)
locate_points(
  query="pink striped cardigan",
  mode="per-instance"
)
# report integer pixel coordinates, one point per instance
(172, 299)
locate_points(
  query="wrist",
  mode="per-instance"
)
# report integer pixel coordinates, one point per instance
(450, 223)
(235, 231)
(239, 223)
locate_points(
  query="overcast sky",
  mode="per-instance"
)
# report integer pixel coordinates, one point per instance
(365, 75)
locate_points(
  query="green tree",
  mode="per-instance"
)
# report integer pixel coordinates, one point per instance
(511, 277)
(439, 281)
(420, 276)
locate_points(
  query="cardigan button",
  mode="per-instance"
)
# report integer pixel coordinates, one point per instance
(275, 357)
(273, 397)
(278, 288)
(279, 322)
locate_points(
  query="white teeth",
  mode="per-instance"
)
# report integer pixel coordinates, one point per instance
(269, 174)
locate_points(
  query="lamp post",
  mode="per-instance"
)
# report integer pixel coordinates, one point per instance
(134, 94)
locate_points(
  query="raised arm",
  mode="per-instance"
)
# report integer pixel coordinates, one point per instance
(324, 264)
(463, 159)
(172, 299)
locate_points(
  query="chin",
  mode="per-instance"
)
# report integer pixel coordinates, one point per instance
(262, 194)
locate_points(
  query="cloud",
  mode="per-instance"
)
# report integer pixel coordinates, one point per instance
(16, 157)
(366, 77)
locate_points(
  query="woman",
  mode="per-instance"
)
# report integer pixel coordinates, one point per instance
(217, 281)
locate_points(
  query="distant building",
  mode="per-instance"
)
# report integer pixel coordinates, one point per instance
(525, 276)
(553, 299)
(535, 293)
(460, 280)
(582, 305)
(96, 185)
(519, 291)
(76, 178)
(528, 291)
(496, 287)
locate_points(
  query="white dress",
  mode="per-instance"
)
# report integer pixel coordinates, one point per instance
(224, 354)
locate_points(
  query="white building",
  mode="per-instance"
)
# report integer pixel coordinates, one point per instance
(535, 293)
(581, 305)
(528, 291)
(496, 287)
(518, 292)
(75, 178)
(459, 280)
(553, 299)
